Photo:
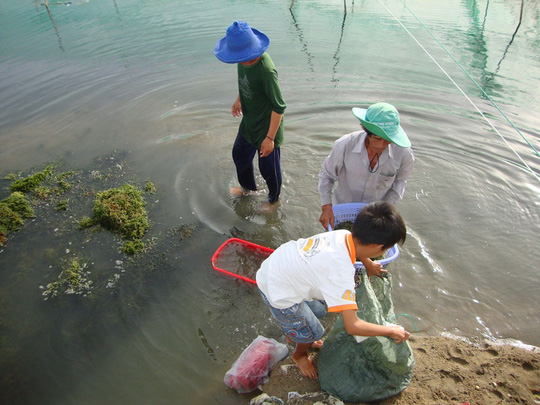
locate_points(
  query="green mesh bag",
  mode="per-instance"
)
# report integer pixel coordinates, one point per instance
(374, 369)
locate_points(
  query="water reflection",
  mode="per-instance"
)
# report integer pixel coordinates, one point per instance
(344, 5)
(496, 71)
(302, 41)
(336, 54)
(123, 54)
(479, 53)
(46, 4)
(479, 46)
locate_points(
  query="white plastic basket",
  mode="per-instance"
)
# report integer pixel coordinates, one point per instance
(348, 212)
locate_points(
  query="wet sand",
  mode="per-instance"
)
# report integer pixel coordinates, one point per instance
(447, 371)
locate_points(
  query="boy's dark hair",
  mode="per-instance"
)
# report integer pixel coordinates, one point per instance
(379, 223)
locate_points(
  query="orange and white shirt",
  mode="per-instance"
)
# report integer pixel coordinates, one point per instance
(317, 268)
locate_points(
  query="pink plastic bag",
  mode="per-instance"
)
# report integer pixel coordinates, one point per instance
(252, 368)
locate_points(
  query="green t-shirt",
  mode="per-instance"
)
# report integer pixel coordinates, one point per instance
(260, 95)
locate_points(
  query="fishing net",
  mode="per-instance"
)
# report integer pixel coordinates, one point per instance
(239, 258)
(375, 368)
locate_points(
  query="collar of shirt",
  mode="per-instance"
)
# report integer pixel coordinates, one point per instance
(360, 148)
(350, 247)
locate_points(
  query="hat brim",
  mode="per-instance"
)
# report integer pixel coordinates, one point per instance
(224, 54)
(399, 138)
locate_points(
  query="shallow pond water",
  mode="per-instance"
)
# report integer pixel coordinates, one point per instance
(137, 83)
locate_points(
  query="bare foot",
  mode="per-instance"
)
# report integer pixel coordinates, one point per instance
(306, 366)
(303, 361)
(238, 191)
(268, 208)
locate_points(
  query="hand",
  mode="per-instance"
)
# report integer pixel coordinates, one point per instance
(267, 146)
(236, 109)
(373, 268)
(327, 216)
(398, 334)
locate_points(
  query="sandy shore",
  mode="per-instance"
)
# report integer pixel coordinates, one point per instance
(447, 371)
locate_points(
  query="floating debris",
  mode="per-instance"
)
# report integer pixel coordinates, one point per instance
(72, 280)
(183, 231)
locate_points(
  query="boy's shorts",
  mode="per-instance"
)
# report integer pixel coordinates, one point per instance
(301, 321)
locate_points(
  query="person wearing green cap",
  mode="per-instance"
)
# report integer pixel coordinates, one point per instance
(261, 105)
(369, 165)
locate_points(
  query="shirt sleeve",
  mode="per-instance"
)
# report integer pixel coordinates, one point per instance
(273, 91)
(340, 297)
(329, 173)
(339, 289)
(395, 193)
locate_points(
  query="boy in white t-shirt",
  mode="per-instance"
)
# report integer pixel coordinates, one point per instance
(304, 279)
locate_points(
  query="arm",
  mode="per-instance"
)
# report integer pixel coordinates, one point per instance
(267, 145)
(236, 109)
(398, 187)
(356, 326)
(328, 175)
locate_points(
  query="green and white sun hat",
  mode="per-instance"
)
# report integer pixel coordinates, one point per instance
(382, 119)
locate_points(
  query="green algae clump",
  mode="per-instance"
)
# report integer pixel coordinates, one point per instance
(43, 193)
(344, 225)
(13, 211)
(29, 183)
(86, 222)
(121, 210)
(132, 247)
(150, 188)
(62, 205)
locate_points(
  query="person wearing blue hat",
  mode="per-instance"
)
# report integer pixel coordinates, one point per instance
(261, 105)
(368, 165)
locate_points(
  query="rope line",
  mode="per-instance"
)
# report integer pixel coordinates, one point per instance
(460, 89)
(470, 77)
(408, 316)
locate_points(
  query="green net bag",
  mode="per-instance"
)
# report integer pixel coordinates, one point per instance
(377, 367)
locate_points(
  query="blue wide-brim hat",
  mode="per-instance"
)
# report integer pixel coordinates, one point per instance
(241, 44)
(382, 119)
